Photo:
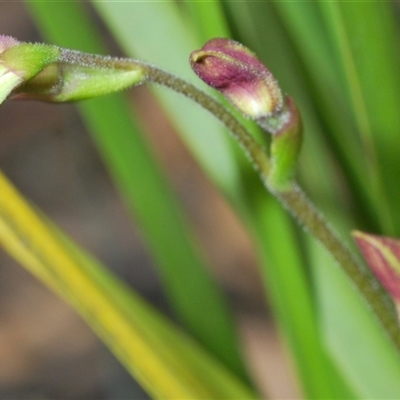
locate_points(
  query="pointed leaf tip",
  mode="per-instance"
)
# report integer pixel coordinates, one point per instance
(382, 254)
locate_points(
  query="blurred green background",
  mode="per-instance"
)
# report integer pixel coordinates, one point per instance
(46, 350)
(207, 242)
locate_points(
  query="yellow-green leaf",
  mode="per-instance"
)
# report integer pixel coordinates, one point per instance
(166, 362)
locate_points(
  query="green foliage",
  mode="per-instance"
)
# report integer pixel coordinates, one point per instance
(148, 345)
(339, 61)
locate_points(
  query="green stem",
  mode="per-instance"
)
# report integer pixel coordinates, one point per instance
(296, 202)
(291, 197)
(376, 297)
(253, 149)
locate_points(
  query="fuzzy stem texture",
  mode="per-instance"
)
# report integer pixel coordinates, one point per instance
(296, 202)
(137, 72)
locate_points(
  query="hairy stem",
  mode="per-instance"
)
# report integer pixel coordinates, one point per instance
(296, 202)
(292, 197)
(253, 149)
(376, 297)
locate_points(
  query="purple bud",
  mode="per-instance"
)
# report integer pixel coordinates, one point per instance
(382, 254)
(235, 71)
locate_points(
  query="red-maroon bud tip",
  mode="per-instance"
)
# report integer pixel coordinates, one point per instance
(235, 71)
(383, 256)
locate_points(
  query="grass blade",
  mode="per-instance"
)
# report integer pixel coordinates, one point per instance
(327, 91)
(287, 283)
(334, 310)
(329, 384)
(186, 276)
(208, 19)
(166, 362)
(357, 343)
(129, 25)
(365, 36)
(291, 294)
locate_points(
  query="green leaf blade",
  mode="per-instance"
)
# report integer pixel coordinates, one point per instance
(363, 352)
(164, 360)
(365, 37)
(186, 276)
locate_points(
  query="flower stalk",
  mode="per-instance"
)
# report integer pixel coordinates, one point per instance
(55, 74)
(296, 202)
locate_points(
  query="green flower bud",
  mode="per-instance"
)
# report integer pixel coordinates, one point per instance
(50, 73)
(77, 76)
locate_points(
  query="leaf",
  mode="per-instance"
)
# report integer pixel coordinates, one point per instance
(365, 36)
(166, 362)
(327, 90)
(292, 300)
(184, 273)
(208, 19)
(142, 40)
(130, 25)
(358, 346)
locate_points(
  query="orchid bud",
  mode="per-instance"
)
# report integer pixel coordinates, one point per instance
(50, 73)
(77, 76)
(235, 71)
(382, 254)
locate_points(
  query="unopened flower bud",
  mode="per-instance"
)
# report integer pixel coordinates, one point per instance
(77, 76)
(235, 71)
(46, 72)
(382, 254)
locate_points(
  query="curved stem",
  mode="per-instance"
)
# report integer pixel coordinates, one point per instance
(295, 201)
(311, 219)
(253, 149)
